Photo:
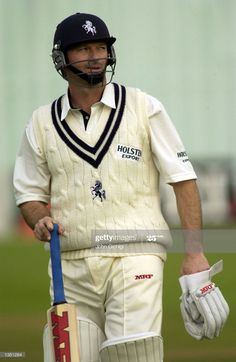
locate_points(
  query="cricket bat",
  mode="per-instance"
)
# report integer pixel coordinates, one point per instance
(61, 316)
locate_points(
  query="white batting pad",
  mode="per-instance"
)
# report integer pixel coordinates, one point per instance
(145, 347)
(47, 346)
(90, 340)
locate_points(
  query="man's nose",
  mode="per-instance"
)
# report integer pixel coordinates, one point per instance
(94, 54)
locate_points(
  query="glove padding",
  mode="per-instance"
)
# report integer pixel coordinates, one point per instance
(203, 307)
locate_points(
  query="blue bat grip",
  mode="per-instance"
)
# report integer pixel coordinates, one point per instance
(57, 280)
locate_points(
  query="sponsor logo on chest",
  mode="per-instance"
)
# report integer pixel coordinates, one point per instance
(128, 152)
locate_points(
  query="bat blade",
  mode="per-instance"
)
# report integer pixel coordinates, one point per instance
(62, 321)
(63, 329)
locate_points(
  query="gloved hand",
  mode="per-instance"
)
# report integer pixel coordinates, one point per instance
(203, 307)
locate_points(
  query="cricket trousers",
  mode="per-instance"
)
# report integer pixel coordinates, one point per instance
(122, 296)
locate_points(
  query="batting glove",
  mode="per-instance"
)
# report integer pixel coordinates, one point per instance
(203, 307)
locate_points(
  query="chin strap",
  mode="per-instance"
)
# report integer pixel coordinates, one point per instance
(92, 79)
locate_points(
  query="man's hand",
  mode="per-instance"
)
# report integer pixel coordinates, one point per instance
(38, 217)
(44, 227)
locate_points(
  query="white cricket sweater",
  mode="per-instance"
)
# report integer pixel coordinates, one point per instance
(129, 191)
(103, 180)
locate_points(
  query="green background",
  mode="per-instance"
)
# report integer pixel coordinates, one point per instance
(24, 300)
(180, 51)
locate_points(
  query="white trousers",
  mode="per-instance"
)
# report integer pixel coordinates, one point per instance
(122, 295)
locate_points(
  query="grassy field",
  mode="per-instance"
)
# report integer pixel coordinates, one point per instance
(24, 300)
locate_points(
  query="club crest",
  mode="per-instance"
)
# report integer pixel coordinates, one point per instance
(97, 191)
(89, 27)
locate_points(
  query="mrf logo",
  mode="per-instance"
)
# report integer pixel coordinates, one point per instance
(207, 288)
(61, 339)
(143, 276)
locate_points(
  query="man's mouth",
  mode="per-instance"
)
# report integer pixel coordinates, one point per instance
(95, 69)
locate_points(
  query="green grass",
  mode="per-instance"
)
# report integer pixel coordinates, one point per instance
(179, 346)
(24, 300)
(24, 297)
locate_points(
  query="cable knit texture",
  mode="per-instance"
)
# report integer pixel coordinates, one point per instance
(131, 186)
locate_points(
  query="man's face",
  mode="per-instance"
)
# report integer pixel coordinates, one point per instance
(89, 57)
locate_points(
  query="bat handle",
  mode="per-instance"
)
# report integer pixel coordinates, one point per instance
(57, 280)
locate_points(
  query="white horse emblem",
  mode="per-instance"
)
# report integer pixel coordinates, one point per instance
(89, 28)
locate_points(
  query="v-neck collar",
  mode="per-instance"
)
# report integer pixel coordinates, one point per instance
(108, 98)
(91, 153)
